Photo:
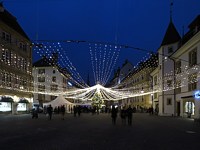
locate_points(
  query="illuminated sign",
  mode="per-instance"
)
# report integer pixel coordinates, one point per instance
(197, 94)
(69, 83)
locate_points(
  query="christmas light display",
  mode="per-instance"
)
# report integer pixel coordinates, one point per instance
(103, 60)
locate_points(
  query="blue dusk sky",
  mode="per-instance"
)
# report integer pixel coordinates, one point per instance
(137, 23)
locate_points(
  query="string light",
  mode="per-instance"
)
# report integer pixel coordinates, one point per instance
(103, 58)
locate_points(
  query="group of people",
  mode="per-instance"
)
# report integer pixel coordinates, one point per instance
(50, 111)
(124, 113)
(77, 109)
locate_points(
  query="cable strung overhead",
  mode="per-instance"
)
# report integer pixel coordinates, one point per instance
(103, 58)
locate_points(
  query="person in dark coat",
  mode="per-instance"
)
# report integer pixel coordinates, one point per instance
(123, 115)
(114, 115)
(75, 111)
(62, 109)
(79, 110)
(34, 113)
(129, 112)
(49, 111)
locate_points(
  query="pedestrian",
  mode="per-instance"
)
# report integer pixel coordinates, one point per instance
(79, 110)
(129, 115)
(114, 115)
(49, 111)
(75, 111)
(123, 115)
(58, 110)
(55, 110)
(34, 113)
(62, 109)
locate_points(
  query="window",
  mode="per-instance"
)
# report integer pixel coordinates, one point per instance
(6, 37)
(3, 35)
(178, 67)
(155, 80)
(41, 79)
(41, 71)
(193, 57)
(54, 79)
(170, 49)
(20, 45)
(178, 86)
(41, 88)
(155, 95)
(169, 83)
(41, 97)
(169, 101)
(64, 81)
(24, 47)
(192, 81)
(54, 87)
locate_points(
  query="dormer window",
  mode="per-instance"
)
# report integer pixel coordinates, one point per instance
(193, 57)
(6, 37)
(170, 49)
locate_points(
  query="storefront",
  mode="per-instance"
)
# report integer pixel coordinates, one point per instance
(188, 106)
(13, 104)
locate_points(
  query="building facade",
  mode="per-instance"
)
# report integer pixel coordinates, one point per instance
(181, 81)
(139, 82)
(49, 80)
(175, 81)
(16, 65)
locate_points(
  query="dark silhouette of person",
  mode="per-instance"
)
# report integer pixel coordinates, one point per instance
(114, 114)
(62, 109)
(129, 114)
(34, 113)
(79, 110)
(58, 109)
(75, 111)
(123, 115)
(49, 111)
(55, 110)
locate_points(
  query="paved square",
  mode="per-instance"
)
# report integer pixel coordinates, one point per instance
(96, 132)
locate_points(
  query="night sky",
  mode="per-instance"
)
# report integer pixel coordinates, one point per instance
(138, 23)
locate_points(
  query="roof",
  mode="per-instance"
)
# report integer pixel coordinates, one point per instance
(11, 21)
(195, 22)
(44, 62)
(171, 35)
(152, 63)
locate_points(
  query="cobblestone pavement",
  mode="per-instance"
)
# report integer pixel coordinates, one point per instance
(96, 132)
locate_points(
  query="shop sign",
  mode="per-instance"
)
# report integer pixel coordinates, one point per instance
(197, 95)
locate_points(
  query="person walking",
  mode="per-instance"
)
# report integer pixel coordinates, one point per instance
(114, 115)
(49, 111)
(129, 115)
(63, 111)
(79, 110)
(75, 111)
(123, 115)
